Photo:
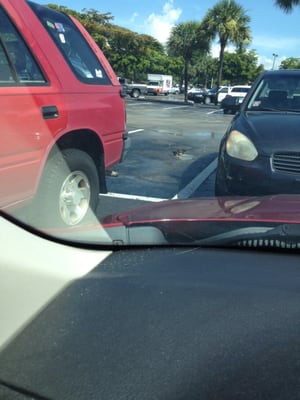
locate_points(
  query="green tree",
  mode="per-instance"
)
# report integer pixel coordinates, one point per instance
(92, 20)
(287, 5)
(203, 70)
(241, 67)
(187, 39)
(228, 22)
(131, 55)
(290, 63)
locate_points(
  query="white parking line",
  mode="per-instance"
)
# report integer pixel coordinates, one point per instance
(214, 112)
(191, 187)
(132, 197)
(172, 108)
(136, 103)
(135, 131)
(184, 193)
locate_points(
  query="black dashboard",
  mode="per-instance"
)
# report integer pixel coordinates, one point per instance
(165, 323)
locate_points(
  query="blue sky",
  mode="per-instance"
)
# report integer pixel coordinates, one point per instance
(273, 31)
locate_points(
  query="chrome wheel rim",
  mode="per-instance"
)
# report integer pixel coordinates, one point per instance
(74, 198)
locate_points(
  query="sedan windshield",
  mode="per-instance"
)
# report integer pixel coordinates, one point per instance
(277, 93)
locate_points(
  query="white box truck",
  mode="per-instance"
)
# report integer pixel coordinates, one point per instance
(159, 84)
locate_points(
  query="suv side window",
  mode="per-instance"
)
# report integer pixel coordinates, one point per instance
(17, 64)
(73, 46)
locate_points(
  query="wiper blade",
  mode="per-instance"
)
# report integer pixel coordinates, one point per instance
(285, 236)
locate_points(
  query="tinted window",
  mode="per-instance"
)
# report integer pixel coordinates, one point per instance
(72, 45)
(17, 65)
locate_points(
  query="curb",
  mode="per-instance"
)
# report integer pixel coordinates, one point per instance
(162, 100)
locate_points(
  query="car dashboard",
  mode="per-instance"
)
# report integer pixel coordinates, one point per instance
(144, 323)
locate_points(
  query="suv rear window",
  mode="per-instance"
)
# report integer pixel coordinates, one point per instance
(76, 51)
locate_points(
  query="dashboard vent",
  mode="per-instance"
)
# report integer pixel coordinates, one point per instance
(269, 243)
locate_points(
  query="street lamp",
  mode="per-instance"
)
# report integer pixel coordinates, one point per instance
(274, 59)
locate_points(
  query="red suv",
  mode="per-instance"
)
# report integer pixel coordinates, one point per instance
(55, 77)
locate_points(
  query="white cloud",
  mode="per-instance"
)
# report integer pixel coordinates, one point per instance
(269, 62)
(160, 25)
(133, 17)
(215, 50)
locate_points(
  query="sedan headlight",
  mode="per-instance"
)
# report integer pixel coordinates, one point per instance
(239, 146)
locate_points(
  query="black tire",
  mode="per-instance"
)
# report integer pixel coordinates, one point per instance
(207, 100)
(226, 111)
(69, 190)
(135, 93)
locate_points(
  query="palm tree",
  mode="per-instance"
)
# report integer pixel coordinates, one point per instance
(187, 39)
(287, 5)
(228, 22)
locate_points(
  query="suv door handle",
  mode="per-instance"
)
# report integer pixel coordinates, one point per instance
(49, 112)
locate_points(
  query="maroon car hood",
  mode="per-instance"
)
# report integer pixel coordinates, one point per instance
(193, 221)
(277, 208)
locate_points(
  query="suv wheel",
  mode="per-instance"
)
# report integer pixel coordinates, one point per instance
(69, 190)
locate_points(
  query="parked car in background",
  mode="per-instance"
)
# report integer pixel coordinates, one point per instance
(215, 95)
(197, 95)
(260, 152)
(211, 95)
(174, 90)
(134, 90)
(222, 93)
(232, 101)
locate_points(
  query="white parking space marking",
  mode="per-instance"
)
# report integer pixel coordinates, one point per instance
(136, 103)
(132, 197)
(214, 112)
(136, 131)
(184, 193)
(172, 108)
(191, 187)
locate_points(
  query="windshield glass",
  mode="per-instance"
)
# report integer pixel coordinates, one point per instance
(199, 140)
(277, 92)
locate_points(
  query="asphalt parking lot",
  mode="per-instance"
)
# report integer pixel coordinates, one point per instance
(172, 155)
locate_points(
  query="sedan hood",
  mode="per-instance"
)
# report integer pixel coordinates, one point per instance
(190, 221)
(266, 129)
(277, 208)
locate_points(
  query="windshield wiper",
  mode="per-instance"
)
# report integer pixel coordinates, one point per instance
(285, 236)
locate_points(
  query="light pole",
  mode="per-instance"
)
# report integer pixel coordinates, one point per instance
(274, 59)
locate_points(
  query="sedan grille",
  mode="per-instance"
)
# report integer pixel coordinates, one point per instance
(286, 162)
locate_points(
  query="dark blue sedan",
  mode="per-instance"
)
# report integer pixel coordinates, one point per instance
(260, 152)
